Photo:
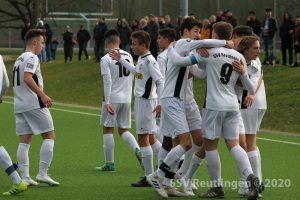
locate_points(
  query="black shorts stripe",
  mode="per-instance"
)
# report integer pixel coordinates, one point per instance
(204, 104)
(179, 81)
(245, 94)
(36, 80)
(148, 87)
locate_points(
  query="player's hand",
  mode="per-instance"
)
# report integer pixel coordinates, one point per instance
(203, 52)
(230, 43)
(0, 100)
(158, 111)
(110, 109)
(172, 44)
(191, 75)
(47, 101)
(116, 55)
(248, 100)
(238, 66)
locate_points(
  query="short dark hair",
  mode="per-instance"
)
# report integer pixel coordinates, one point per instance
(33, 33)
(112, 36)
(188, 23)
(143, 37)
(252, 12)
(102, 18)
(192, 14)
(242, 30)
(223, 29)
(169, 33)
(268, 10)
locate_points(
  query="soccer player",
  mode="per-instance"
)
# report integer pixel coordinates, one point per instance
(173, 108)
(5, 160)
(116, 107)
(147, 75)
(220, 115)
(31, 109)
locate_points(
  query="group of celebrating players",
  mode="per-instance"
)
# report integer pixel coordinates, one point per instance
(235, 103)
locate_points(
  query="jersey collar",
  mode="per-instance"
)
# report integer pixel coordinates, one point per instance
(146, 54)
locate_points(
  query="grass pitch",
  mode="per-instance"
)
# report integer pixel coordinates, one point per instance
(78, 150)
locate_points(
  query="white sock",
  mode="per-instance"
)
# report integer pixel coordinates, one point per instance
(162, 155)
(213, 165)
(187, 159)
(156, 147)
(259, 159)
(254, 161)
(242, 162)
(172, 156)
(147, 158)
(194, 166)
(108, 147)
(46, 155)
(23, 160)
(130, 140)
(159, 136)
(5, 162)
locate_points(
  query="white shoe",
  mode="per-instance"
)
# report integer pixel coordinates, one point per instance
(178, 175)
(194, 187)
(173, 192)
(243, 192)
(29, 182)
(187, 186)
(154, 181)
(46, 179)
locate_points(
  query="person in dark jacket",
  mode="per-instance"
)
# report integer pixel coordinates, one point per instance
(230, 18)
(161, 22)
(125, 36)
(68, 45)
(23, 33)
(83, 36)
(48, 34)
(98, 36)
(269, 27)
(42, 55)
(135, 25)
(153, 28)
(168, 22)
(286, 35)
(178, 27)
(254, 23)
(144, 26)
(296, 41)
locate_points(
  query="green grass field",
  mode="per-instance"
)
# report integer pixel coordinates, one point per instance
(78, 149)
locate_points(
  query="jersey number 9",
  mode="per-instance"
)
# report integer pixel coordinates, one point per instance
(226, 72)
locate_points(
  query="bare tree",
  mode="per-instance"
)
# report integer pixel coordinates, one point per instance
(15, 13)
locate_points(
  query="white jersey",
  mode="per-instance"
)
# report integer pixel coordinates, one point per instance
(4, 83)
(24, 98)
(121, 78)
(162, 60)
(254, 70)
(175, 81)
(221, 79)
(146, 74)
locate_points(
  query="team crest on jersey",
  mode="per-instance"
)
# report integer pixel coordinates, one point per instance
(138, 75)
(140, 66)
(29, 65)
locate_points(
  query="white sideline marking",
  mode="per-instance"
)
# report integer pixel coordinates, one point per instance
(97, 115)
(277, 141)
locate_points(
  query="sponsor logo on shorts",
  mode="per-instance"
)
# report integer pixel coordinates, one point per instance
(29, 65)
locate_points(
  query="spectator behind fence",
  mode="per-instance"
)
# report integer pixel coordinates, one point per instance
(213, 20)
(68, 44)
(253, 23)
(83, 36)
(135, 27)
(42, 55)
(269, 27)
(192, 15)
(99, 31)
(48, 34)
(230, 18)
(178, 27)
(206, 30)
(286, 35)
(153, 28)
(23, 33)
(161, 22)
(168, 22)
(144, 25)
(53, 47)
(296, 41)
(219, 14)
(125, 36)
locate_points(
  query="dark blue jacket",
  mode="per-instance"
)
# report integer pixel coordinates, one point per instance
(48, 34)
(100, 30)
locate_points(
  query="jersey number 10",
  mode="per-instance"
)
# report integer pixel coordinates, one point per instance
(16, 70)
(122, 69)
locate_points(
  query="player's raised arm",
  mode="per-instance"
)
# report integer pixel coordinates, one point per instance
(196, 71)
(180, 61)
(116, 55)
(196, 44)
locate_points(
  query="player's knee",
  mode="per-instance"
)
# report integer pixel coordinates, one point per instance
(186, 145)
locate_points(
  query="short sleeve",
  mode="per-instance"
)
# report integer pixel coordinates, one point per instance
(31, 64)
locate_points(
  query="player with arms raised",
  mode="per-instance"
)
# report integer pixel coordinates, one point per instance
(116, 107)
